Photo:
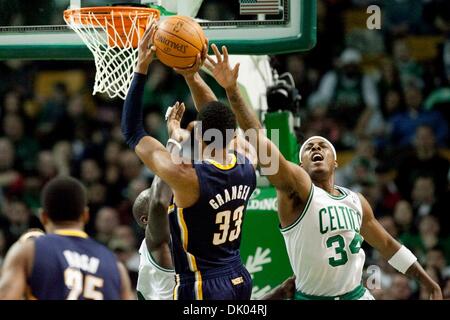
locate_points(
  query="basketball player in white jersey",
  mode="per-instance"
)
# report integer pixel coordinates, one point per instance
(323, 225)
(156, 277)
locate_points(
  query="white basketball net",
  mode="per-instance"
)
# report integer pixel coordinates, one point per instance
(114, 55)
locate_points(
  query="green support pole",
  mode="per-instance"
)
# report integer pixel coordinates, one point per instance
(287, 143)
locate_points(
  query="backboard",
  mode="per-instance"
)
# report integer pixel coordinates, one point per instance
(36, 29)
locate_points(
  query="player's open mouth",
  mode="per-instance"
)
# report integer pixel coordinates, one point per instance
(316, 157)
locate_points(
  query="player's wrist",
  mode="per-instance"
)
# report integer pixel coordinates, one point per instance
(232, 87)
(402, 260)
(142, 68)
(190, 76)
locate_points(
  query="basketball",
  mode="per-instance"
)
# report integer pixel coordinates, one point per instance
(178, 40)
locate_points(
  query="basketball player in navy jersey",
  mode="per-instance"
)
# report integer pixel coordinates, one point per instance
(65, 263)
(210, 196)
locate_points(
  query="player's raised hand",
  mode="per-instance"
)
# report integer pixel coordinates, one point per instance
(224, 74)
(146, 50)
(173, 116)
(199, 61)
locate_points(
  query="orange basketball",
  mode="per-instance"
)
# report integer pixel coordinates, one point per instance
(178, 40)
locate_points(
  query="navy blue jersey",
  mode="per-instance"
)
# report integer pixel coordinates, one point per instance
(69, 265)
(207, 235)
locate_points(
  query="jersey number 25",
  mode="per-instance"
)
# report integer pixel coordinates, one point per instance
(223, 219)
(73, 279)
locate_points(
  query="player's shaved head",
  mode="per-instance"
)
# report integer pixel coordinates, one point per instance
(141, 208)
(64, 199)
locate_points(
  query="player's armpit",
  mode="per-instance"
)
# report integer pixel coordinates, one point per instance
(15, 271)
(126, 293)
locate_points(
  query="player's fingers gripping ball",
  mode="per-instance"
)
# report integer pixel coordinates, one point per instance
(178, 41)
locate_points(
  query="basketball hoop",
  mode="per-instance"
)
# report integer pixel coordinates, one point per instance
(112, 35)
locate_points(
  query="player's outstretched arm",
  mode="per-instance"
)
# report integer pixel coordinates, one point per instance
(15, 270)
(157, 232)
(200, 91)
(397, 255)
(287, 177)
(150, 151)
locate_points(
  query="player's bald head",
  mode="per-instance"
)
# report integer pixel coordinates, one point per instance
(141, 208)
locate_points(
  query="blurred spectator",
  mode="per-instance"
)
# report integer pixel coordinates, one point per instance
(125, 234)
(90, 172)
(404, 219)
(402, 17)
(52, 113)
(427, 238)
(156, 126)
(46, 166)
(410, 72)
(319, 123)
(404, 124)
(425, 202)
(19, 220)
(389, 81)
(131, 166)
(106, 221)
(389, 194)
(400, 288)
(11, 182)
(25, 147)
(436, 258)
(361, 168)
(424, 160)
(347, 91)
(388, 223)
(62, 155)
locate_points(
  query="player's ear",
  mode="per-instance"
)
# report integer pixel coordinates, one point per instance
(336, 165)
(85, 216)
(43, 217)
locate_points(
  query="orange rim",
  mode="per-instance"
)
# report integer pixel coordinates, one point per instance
(82, 15)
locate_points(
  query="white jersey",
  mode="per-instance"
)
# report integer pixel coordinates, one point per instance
(324, 244)
(154, 282)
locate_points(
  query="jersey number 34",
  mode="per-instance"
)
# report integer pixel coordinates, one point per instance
(223, 219)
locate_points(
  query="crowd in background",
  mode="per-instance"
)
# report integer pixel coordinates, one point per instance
(365, 90)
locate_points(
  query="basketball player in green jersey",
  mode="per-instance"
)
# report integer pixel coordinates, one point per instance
(323, 225)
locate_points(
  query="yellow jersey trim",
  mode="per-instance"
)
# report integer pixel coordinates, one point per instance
(198, 286)
(177, 285)
(71, 233)
(184, 239)
(224, 167)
